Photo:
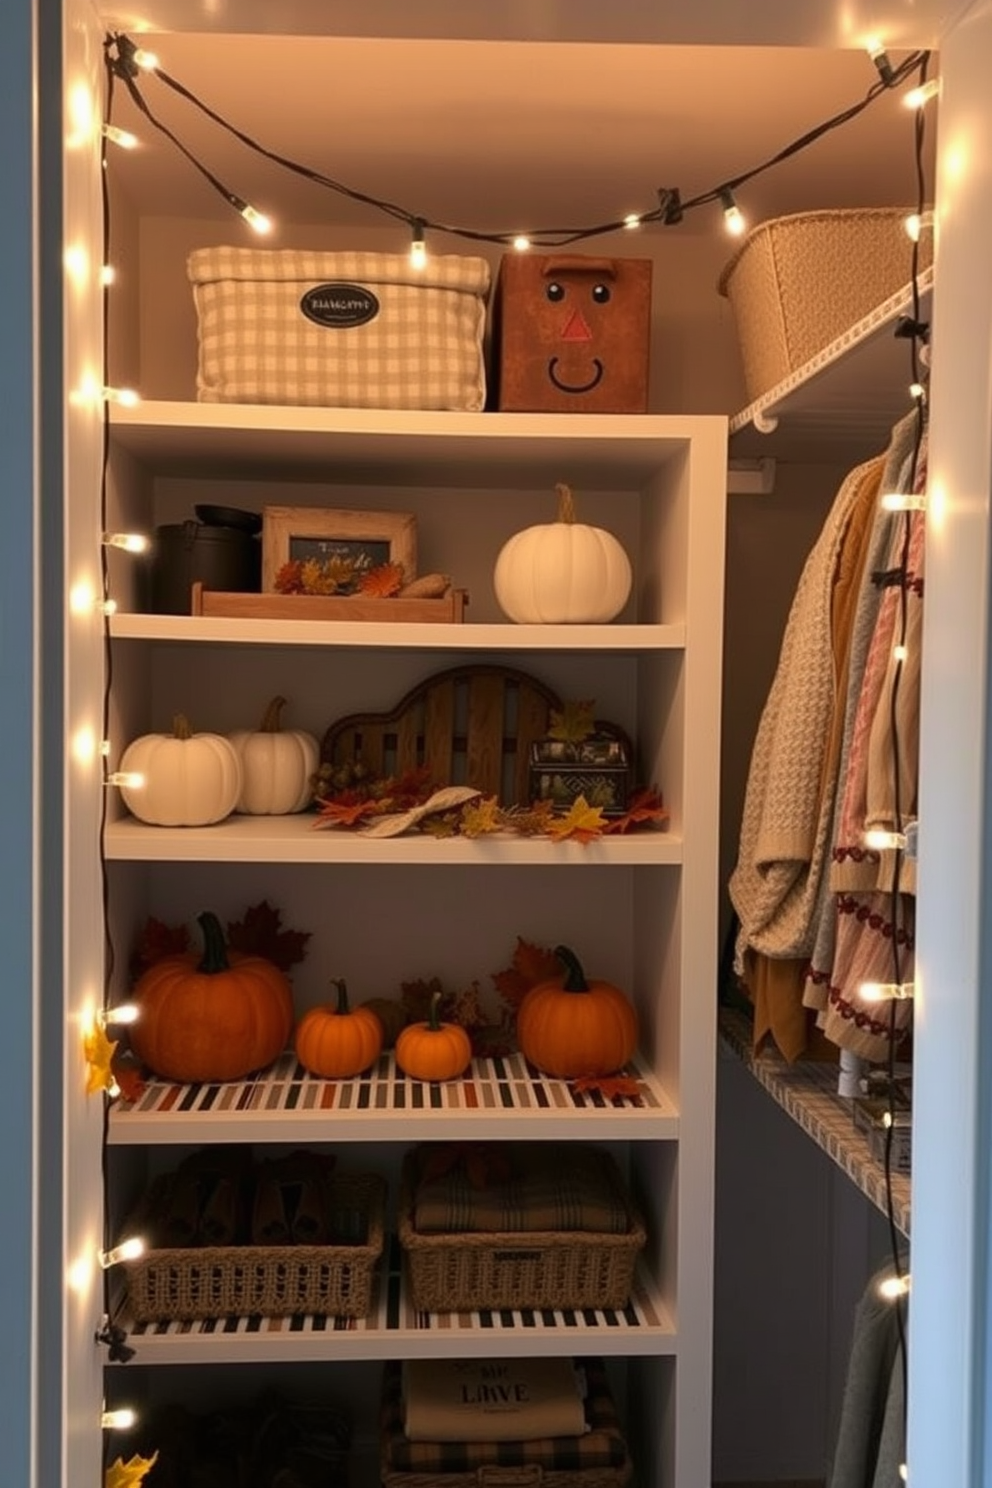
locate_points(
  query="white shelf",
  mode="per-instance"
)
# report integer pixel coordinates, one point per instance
(394, 1330)
(344, 634)
(497, 1100)
(475, 450)
(854, 390)
(295, 839)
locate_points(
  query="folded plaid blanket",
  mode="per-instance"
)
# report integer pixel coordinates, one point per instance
(601, 1446)
(527, 1187)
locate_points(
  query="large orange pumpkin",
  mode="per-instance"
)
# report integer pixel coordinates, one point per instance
(434, 1050)
(570, 1026)
(216, 1018)
(337, 1042)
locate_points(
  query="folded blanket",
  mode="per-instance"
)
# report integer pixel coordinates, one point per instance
(448, 1400)
(535, 1186)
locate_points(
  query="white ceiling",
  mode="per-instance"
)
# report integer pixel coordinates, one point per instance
(509, 134)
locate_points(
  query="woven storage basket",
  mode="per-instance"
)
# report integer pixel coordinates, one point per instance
(798, 283)
(182, 1285)
(339, 330)
(599, 1459)
(470, 1270)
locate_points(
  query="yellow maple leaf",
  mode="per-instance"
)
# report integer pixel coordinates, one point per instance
(129, 1474)
(583, 823)
(98, 1051)
(480, 817)
(573, 722)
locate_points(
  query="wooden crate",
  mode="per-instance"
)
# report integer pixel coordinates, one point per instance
(449, 609)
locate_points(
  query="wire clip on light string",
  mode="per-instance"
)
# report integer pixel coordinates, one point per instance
(126, 61)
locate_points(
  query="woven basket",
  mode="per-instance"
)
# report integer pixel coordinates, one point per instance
(798, 283)
(182, 1285)
(469, 1271)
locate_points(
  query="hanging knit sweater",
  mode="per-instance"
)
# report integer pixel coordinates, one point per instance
(787, 812)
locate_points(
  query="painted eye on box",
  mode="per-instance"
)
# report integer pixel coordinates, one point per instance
(555, 292)
(601, 293)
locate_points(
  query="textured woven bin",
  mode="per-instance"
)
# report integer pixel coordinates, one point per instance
(339, 330)
(798, 283)
(181, 1285)
(470, 1270)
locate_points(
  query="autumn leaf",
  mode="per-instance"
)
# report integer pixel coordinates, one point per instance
(610, 1086)
(260, 934)
(530, 821)
(130, 1081)
(130, 1474)
(480, 817)
(531, 964)
(582, 823)
(645, 806)
(345, 811)
(466, 1007)
(99, 1052)
(155, 942)
(289, 578)
(381, 582)
(573, 722)
(416, 998)
(444, 824)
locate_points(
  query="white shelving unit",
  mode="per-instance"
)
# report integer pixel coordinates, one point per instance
(642, 911)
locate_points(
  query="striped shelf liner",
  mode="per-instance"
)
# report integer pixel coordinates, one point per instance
(285, 1096)
(807, 1091)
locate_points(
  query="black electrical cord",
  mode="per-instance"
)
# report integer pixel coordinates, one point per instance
(120, 52)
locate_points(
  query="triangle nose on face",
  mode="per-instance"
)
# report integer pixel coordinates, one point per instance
(576, 328)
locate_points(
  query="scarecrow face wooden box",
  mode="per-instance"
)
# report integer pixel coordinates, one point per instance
(571, 334)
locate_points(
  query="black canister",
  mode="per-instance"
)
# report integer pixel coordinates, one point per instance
(219, 556)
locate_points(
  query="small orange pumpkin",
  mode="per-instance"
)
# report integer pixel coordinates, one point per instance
(570, 1026)
(434, 1050)
(337, 1042)
(216, 1018)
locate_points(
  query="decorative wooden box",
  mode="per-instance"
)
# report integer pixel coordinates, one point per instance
(449, 609)
(571, 334)
(598, 769)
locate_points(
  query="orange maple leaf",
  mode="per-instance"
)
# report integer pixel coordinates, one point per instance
(260, 933)
(646, 805)
(289, 579)
(582, 823)
(381, 582)
(531, 964)
(344, 813)
(609, 1085)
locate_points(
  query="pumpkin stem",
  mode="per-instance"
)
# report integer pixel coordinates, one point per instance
(566, 506)
(214, 949)
(181, 727)
(575, 977)
(433, 1016)
(270, 723)
(342, 987)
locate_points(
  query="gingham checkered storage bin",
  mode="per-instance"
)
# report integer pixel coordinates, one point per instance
(339, 330)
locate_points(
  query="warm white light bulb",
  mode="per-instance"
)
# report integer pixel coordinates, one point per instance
(146, 60)
(128, 1250)
(108, 275)
(879, 839)
(106, 606)
(631, 221)
(901, 501)
(256, 220)
(128, 542)
(901, 653)
(733, 218)
(119, 1420)
(123, 397)
(122, 137)
(125, 1012)
(521, 243)
(917, 98)
(893, 1287)
(130, 779)
(885, 991)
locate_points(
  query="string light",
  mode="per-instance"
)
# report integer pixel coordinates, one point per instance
(257, 221)
(123, 397)
(121, 137)
(917, 391)
(880, 840)
(122, 1419)
(631, 221)
(521, 242)
(917, 223)
(128, 1250)
(106, 607)
(123, 1014)
(893, 1288)
(876, 51)
(886, 991)
(147, 61)
(108, 275)
(125, 779)
(732, 216)
(918, 98)
(418, 244)
(128, 542)
(903, 501)
(901, 653)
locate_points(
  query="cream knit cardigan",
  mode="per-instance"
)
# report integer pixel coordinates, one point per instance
(787, 811)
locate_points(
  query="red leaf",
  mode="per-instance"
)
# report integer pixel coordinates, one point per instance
(645, 806)
(260, 934)
(155, 942)
(609, 1085)
(342, 813)
(130, 1081)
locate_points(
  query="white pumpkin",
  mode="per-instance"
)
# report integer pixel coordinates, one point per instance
(190, 780)
(563, 572)
(277, 766)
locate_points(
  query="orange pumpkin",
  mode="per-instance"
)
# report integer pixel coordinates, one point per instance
(216, 1018)
(434, 1050)
(570, 1026)
(337, 1042)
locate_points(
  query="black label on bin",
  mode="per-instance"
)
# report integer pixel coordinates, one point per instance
(339, 305)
